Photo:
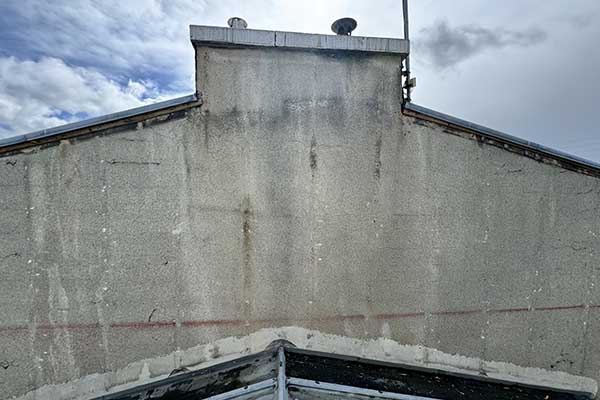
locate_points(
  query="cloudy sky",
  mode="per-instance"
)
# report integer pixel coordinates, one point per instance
(530, 68)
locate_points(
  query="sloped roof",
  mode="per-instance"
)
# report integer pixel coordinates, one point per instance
(508, 142)
(462, 127)
(88, 125)
(283, 371)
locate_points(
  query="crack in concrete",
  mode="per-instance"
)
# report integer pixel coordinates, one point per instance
(15, 254)
(313, 156)
(151, 314)
(134, 162)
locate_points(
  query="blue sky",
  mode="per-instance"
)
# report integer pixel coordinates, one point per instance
(528, 67)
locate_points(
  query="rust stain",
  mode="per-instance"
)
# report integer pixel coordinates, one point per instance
(205, 129)
(246, 229)
(313, 156)
(247, 268)
(377, 172)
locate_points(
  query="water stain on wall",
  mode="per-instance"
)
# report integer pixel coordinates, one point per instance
(377, 172)
(313, 156)
(247, 249)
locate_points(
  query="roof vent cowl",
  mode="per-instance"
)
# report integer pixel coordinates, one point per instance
(237, 23)
(344, 26)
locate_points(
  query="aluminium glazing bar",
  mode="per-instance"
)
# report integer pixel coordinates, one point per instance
(282, 393)
(269, 384)
(332, 387)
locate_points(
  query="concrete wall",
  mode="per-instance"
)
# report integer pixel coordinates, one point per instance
(297, 195)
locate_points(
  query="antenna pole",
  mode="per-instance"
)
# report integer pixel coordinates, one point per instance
(406, 72)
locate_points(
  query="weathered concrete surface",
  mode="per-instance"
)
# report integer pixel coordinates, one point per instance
(297, 195)
(227, 37)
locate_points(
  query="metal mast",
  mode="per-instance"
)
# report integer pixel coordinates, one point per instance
(408, 84)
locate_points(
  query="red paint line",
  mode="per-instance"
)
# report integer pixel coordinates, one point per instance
(9, 328)
(457, 312)
(50, 327)
(509, 310)
(237, 322)
(143, 325)
(399, 315)
(214, 322)
(556, 308)
(354, 317)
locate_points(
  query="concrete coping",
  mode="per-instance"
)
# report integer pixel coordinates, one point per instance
(214, 36)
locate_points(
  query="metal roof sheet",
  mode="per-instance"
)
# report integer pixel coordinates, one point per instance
(44, 133)
(502, 137)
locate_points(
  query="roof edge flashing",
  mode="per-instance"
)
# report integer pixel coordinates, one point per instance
(214, 36)
(563, 159)
(34, 137)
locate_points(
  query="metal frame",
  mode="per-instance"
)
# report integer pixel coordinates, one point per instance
(283, 368)
(218, 378)
(282, 393)
(255, 388)
(407, 85)
(280, 383)
(333, 387)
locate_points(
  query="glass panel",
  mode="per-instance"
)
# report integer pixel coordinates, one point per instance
(313, 394)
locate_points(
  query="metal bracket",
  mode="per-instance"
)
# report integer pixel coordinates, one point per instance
(282, 393)
(405, 65)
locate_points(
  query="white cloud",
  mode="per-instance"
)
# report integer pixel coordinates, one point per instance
(139, 50)
(48, 92)
(446, 45)
(90, 57)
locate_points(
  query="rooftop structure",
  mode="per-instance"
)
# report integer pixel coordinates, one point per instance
(283, 371)
(240, 37)
(297, 195)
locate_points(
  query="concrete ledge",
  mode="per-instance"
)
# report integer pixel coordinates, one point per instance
(380, 349)
(213, 36)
